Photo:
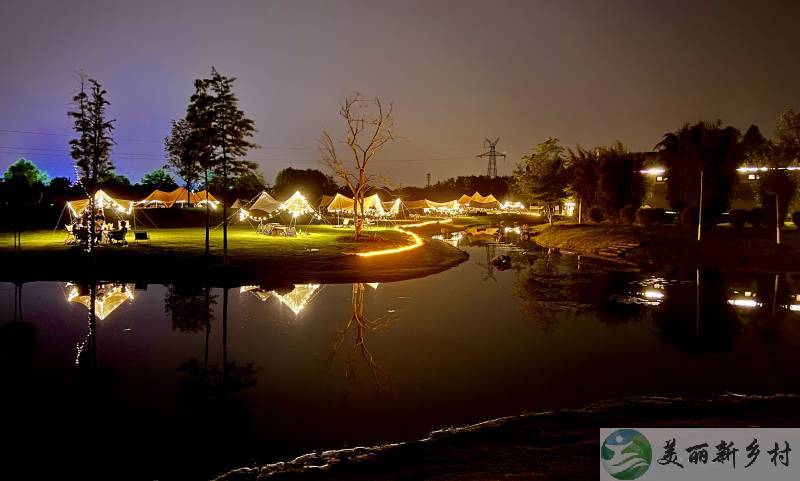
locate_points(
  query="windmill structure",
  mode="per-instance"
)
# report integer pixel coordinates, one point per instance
(492, 155)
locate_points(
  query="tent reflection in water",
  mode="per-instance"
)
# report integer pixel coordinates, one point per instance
(296, 299)
(108, 297)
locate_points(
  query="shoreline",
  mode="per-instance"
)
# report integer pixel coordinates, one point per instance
(555, 444)
(669, 246)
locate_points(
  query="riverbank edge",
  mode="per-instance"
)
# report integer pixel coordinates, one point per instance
(267, 270)
(663, 247)
(557, 444)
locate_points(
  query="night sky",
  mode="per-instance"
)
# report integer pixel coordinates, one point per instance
(456, 71)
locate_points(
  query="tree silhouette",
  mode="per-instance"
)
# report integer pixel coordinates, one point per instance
(366, 134)
(91, 150)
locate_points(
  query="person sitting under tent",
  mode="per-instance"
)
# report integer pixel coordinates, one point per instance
(118, 236)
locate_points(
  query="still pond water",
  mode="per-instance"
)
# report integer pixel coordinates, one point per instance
(173, 382)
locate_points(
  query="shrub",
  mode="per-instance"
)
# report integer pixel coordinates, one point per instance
(689, 217)
(738, 218)
(768, 217)
(796, 219)
(596, 214)
(650, 217)
(628, 214)
(756, 217)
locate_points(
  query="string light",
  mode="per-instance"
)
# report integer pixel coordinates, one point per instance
(429, 222)
(296, 205)
(418, 242)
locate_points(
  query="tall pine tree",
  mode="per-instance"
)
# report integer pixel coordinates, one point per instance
(231, 130)
(91, 150)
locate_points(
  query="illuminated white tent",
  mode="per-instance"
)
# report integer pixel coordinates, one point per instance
(296, 205)
(341, 203)
(101, 201)
(263, 205)
(179, 196)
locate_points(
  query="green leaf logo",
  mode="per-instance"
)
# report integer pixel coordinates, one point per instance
(626, 454)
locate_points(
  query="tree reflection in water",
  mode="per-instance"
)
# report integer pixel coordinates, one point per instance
(208, 383)
(698, 320)
(215, 407)
(555, 288)
(358, 324)
(18, 340)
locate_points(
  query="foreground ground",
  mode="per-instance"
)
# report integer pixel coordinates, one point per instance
(321, 253)
(558, 445)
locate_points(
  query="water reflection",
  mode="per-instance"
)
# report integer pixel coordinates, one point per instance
(190, 307)
(357, 325)
(232, 381)
(102, 299)
(296, 298)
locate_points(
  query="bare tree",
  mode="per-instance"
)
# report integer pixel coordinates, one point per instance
(369, 127)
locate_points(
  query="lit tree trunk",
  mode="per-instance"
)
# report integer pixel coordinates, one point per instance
(208, 218)
(224, 202)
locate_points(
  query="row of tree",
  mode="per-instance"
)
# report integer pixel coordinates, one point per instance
(705, 154)
(211, 140)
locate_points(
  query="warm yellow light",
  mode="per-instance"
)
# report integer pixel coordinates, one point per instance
(299, 298)
(395, 250)
(296, 205)
(749, 303)
(429, 222)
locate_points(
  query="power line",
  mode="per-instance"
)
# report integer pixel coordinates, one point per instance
(50, 152)
(128, 139)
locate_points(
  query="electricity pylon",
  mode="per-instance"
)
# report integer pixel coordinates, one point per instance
(492, 154)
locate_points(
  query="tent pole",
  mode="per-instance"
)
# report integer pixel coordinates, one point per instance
(150, 220)
(59, 218)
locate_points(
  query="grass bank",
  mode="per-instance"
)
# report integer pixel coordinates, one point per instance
(321, 254)
(669, 245)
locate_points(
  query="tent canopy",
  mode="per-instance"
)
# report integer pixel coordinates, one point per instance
(102, 201)
(340, 203)
(325, 201)
(177, 196)
(429, 204)
(264, 204)
(477, 200)
(296, 205)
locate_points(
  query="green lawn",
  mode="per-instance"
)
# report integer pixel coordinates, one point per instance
(242, 240)
(320, 253)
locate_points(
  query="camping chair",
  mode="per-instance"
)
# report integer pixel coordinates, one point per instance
(118, 237)
(81, 235)
(70, 235)
(141, 236)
